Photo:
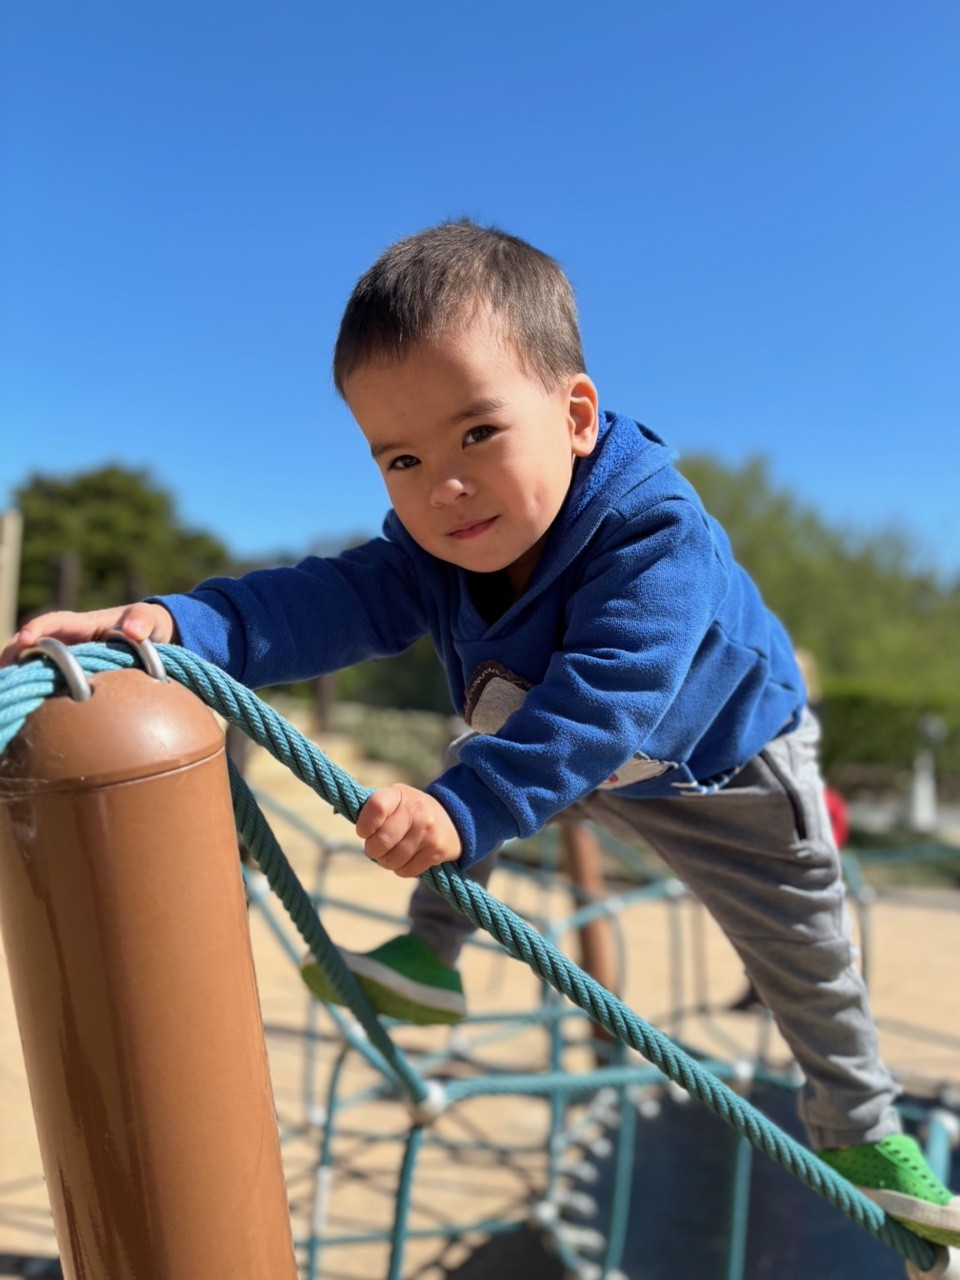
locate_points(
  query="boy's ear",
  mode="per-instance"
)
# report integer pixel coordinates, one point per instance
(584, 415)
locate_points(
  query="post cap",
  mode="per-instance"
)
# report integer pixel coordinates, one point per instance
(132, 727)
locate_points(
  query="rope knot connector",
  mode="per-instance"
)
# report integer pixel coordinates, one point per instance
(429, 1108)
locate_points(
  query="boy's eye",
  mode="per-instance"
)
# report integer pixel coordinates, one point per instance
(403, 462)
(476, 434)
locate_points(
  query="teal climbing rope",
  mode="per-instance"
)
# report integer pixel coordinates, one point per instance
(24, 688)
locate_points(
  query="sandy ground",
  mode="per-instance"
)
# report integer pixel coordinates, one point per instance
(489, 1161)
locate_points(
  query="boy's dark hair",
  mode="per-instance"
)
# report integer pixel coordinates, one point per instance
(440, 278)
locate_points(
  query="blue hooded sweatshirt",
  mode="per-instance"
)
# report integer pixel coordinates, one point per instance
(640, 657)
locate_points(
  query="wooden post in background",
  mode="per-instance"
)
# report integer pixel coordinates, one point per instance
(66, 580)
(324, 697)
(125, 930)
(11, 532)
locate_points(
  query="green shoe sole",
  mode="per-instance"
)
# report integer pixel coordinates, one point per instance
(950, 1239)
(386, 1001)
(920, 1217)
(397, 1006)
(318, 982)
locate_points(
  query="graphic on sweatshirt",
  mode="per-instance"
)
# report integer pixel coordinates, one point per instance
(494, 694)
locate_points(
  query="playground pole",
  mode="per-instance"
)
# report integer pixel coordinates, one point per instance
(125, 930)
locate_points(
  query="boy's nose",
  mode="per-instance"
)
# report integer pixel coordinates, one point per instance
(449, 489)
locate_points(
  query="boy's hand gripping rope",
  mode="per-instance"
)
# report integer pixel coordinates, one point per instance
(24, 688)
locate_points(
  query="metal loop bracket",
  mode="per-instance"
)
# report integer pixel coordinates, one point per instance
(146, 651)
(61, 656)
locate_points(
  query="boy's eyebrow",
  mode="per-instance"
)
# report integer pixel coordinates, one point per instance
(479, 409)
(377, 449)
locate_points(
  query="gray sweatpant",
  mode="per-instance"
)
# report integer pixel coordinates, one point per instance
(760, 856)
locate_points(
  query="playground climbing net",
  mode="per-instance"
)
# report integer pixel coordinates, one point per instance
(595, 1090)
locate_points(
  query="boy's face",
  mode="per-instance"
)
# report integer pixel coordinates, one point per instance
(477, 454)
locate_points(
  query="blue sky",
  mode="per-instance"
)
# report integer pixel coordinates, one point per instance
(758, 206)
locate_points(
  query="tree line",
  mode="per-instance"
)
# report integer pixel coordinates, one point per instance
(882, 626)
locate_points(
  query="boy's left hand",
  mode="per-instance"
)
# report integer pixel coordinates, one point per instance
(406, 831)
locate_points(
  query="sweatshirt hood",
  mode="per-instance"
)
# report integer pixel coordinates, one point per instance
(626, 455)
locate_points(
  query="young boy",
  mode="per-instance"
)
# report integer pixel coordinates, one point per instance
(611, 658)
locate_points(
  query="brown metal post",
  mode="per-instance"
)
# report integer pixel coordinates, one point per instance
(125, 930)
(583, 864)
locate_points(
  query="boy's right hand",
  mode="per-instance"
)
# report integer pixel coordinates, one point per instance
(137, 622)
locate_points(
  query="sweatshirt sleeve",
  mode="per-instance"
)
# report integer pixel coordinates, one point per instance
(635, 622)
(278, 625)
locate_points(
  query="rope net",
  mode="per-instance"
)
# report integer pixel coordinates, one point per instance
(24, 688)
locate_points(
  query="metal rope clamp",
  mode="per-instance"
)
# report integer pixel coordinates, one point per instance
(146, 650)
(75, 677)
(62, 658)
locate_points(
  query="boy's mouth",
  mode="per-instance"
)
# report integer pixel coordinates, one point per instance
(467, 531)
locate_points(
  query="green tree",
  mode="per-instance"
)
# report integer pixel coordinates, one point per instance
(115, 532)
(878, 622)
(862, 603)
(413, 680)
